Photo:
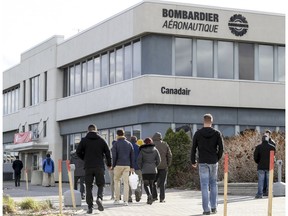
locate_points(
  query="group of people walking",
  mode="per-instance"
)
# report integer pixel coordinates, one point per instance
(149, 160)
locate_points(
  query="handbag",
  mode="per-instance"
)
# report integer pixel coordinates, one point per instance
(133, 180)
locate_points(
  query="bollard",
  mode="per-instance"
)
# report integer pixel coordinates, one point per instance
(279, 187)
(72, 198)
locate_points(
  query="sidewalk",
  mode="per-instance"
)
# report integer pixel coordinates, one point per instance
(178, 203)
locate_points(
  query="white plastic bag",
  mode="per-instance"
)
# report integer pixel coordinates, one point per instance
(133, 180)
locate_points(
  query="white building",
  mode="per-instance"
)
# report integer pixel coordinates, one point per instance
(151, 67)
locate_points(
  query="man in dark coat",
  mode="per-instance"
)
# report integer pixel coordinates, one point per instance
(79, 173)
(262, 158)
(92, 149)
(17, 167)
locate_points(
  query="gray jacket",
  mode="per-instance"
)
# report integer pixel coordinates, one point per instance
(79, 164)
(148, 159)
(164, 151)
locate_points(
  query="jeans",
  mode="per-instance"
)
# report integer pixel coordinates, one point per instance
(161, 181)
(208, 179)
(262, 174)
(90, 175)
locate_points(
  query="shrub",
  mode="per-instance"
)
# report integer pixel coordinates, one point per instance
(8, 205)
(179, 173)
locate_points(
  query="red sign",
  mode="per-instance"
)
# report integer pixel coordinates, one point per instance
(23, 137)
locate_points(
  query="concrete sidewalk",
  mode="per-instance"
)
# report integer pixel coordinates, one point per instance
(178, 203)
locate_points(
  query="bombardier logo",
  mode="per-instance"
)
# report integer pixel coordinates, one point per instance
(238, 25)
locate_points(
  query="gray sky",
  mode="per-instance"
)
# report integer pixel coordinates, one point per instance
(26, 23)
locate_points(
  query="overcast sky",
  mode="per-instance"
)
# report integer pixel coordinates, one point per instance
(26, 23)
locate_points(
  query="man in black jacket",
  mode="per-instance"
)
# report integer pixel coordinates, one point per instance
(92, 149)
(209, 143)
(17, 167)
(262, 158)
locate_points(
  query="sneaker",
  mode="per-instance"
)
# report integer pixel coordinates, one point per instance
(137, 195)
(116, 202)
(258, 197)
(206, 213)
(213, 210)
(125, 203)
(89, 211)
(130, 200)
(162, 201)
(99, 203)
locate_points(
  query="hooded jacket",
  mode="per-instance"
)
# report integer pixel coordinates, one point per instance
(262, 155)
(164, 151)
(79, 164)
(148, 159)
(92, 149)
(209, 143)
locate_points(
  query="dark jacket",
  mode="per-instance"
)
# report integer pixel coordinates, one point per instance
(262, 155)
(148, 159)
(136, 153)
(92, 149)
(123, 153)
(17, 166)
(209, 143)
(164, 151)
(79, 164)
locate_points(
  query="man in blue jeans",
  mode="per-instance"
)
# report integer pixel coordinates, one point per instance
(209, 143)
(261, 157)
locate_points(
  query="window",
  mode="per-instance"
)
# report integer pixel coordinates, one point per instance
(266, 64)
(90, 74)
(11, 100)
(24, 93)
(225, 60)
(246, 61)
(97, 77)
(205, 58)
(34, 90)
(104, 70)
(44, 128)
(34, 129)
(119, 64)
(45, 86)
(127, 62)
(183, 57)
(71, 80)
(112, 67)
(281, 64)
(84, 76)
(227, 130)
(136, 59)
(77, 79)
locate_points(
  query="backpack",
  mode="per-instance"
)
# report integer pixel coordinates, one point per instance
(48, 168)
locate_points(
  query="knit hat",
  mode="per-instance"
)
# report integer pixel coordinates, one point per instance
(140, 142)
(157, 136)
(148, 140)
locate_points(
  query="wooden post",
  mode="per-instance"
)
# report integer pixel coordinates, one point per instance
(71, 183)
(60, 184)
(270, 188)
(26, 172)
(26, 177)
(225, 183)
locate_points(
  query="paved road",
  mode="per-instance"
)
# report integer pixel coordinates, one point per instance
(178, 203)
